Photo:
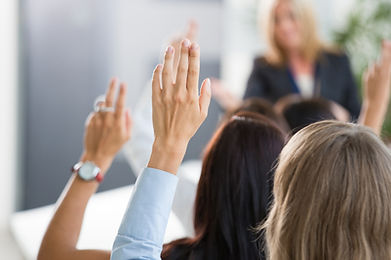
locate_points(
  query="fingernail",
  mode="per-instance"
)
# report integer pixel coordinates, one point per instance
(207, 85)
(114, 79)
(186, 43)
(195, 46)
(169, 49)
(123, 85)
(157, 67)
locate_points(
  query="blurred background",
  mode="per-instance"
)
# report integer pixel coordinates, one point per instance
(57, 56)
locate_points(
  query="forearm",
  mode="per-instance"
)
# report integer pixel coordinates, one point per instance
(63, 231)
(373, 116)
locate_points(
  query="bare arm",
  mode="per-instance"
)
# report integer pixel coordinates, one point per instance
(178, 112)
(63, 232)
(377, 87)
(106, 132)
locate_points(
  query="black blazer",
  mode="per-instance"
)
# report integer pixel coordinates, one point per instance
(334, 81)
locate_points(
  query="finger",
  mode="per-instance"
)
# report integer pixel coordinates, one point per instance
(183, 65)
(128, 123)
(100, 115)
(205, 98)
(386, 54)
(121, 100)
(192, 30)
(365, 76)
(156, 89)
(194, 69)
(89, 119)
(168, 67)
(371, 69)
(111, 92)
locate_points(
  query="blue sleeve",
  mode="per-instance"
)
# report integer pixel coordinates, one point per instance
(141, 232)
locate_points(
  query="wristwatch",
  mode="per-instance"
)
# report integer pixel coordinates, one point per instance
(88, 171)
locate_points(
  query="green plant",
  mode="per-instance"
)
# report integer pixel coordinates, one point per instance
(369, 22)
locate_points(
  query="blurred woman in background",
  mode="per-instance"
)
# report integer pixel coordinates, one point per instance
(297, 61)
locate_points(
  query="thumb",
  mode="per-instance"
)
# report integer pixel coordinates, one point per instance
(205, 97)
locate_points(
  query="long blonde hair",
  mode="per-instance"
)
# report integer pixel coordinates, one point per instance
(332, 192)
(312, 45)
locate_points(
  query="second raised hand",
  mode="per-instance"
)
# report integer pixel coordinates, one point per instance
(177, 109)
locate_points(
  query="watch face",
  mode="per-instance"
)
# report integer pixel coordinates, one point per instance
(88, 171)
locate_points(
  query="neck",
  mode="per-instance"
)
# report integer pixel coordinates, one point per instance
(299, 64)
(296, 56)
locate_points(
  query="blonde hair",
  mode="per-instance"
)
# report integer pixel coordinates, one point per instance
(304, 14)
(332, 192)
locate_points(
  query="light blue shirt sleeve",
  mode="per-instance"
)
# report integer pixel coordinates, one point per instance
(141, 232)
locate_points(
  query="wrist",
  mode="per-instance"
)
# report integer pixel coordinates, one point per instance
(171, 145)
(103, 162)
(375, 109)
(167, 154)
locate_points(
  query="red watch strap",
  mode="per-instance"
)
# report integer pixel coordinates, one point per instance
(99, 177)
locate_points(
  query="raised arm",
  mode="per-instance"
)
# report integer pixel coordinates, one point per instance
(105, 134)
(178, 112)
(377, 84)
(138, 150)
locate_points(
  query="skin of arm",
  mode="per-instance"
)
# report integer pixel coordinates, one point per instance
(377, 84)
(105, 134)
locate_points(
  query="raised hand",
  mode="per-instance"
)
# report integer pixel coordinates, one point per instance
(190, 33)
(178, 110)
(377, 77)
(377, 88)
(107, 129)
(223, 96)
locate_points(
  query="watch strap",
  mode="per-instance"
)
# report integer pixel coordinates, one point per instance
(99, 177)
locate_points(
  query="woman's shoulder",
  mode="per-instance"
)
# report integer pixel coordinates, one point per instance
(334, 57)
(262, 65)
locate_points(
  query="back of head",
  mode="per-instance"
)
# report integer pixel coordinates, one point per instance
(304, 112)
(234, 190)
(332, 194)
(262, 107)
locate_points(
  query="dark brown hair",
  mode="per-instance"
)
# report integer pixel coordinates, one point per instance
(234, 191)
(307, 111)
(263, 107)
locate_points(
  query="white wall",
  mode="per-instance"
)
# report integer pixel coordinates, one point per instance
(8, 108)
